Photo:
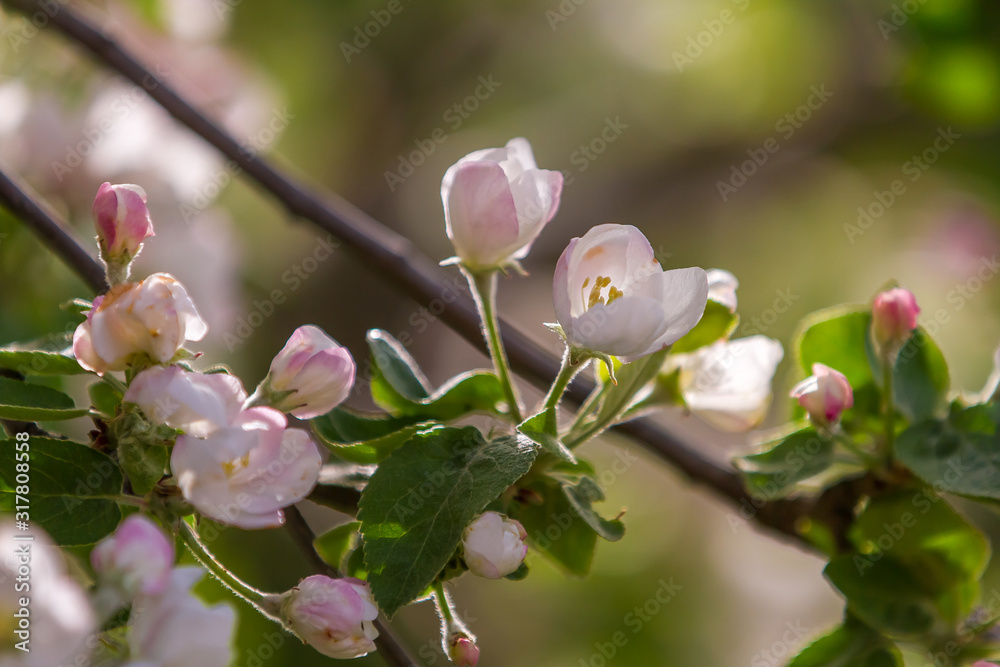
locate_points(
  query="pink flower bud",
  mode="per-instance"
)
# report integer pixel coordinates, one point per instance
(122, 221)
(137, 558)
(334, 616)
(824, 395)
(464, 652)
(494, 545)
(153, 317)
(496, 202)
(245, 473)
(195, 403)
(317, 371)
(894, 316)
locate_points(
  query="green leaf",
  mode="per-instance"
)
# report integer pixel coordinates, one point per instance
(364, 439)
(51, 355)
(554, 528)
(334, 545)
(917, 565)
(959, 454)
(775, 471)
(887, 596)
(920, 377)
(35, 402)
(581, 497)
(717, 323)
(615, 399)
(421, 498)
(399, 387)
(396, 371)
(143, 449)
(69, 490)
(851, 645)
(104, 398)
(837, 338)
(534, 429)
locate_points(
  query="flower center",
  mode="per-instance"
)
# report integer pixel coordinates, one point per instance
(596, 296)
(230, 468)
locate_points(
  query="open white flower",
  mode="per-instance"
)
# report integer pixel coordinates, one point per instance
(246, 473)
(58, 617)
(612, 296)
(194, 403)
(728, 383)
(496, 202)
(155, 317)
(175, 629)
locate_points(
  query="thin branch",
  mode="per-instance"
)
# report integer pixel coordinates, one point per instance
(389, 647)
(17, 197)
(394, 257)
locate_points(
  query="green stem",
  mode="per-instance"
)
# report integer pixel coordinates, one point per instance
(114, 383)
(453, 625)
(847, 441)
(888, 405)
(265, 603)
(443, 603)
(588, 405)
(571, 365)
(484, 290)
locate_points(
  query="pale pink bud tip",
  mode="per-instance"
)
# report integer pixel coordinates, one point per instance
(312, 374)
(496, 202)
(137, 558)
(334, 616)
(824, 395)
(894, 316)
(122, 220)
(464, 652)
(494, 545)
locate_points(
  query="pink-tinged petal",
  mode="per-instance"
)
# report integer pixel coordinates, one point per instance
(105, 213)
(722, 286)
(562, 294)
(480, 214)
(334, 616)
(536, 196)
(83, 350)
(685, 293)
(894, 316)
(317, 371)
(493, 546)
(624, 328)
(194, 403)
(137, 558)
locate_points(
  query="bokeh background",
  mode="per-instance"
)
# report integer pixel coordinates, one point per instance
(761, 136)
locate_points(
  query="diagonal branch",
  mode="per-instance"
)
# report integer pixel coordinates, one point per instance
(394, 257)
(18, 199)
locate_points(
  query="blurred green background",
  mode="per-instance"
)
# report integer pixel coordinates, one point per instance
(760, 136)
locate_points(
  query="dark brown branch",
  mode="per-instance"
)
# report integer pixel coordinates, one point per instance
(391, 255)
(15, 196)
(389, 647)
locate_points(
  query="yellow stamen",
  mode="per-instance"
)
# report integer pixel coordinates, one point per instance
(232, 467)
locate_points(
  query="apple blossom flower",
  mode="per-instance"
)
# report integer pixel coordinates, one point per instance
(53, 618)
(154, 317)
(136, 558)
(894, 317)
(496, 202)
(310, 376)
(244, 474)
(722, 288)
(464, 652)
(644, 308)
(728, 383)
(195, 403)
(494, 545)
(334, 616)
(824, 395)
(175, 629)
(122, 221)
